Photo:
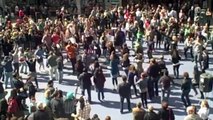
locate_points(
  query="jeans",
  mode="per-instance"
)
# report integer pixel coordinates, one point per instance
(197, 58)
(59, 76)
(176, 70)
(163, 92)
(23, 67)
(104, 53)
(52, 70)
(8, 76)
(185, 98)
(100, 93)
(122, 102)
(144, 99)
(88, 92)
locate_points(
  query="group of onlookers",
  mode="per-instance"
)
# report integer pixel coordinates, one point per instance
(166, 113)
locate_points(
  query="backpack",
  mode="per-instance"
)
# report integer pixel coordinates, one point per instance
(13, 106)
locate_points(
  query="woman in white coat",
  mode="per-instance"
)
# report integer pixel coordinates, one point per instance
(204, 110)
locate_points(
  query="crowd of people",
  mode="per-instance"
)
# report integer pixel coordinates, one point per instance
(29, 42)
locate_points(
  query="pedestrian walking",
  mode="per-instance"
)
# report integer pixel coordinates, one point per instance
(52, 65)
(186, 88)
(142, 83)
(150, 114)
(32, 68)
(71, 52)
(114, 62)
(59, 70)
(165, 82)
(153, 72)
(132, 77)
(8, 71)
(99, 81)
(175, 60)
(124, 92)
(203, 112)
(166, 113)
(85, 83)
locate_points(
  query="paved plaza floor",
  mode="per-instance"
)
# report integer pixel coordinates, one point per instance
(111, 104)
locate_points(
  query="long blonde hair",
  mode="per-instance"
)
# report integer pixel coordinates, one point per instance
(204, 104)
(132, 68)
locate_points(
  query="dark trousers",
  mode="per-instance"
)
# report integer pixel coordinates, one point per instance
(158, 43)
(166, 45)
(36, 82)
(186, 50)
(150, 89)
(34, 75)
(134, 87)
(73, 62)
(122, 102)
(144, 99)
(195, 90)
(185, 98)
(100, 93)
(16, 67)
(149, 53)
(114, 81)
(156, 86)
(176, 70)
(88, 92)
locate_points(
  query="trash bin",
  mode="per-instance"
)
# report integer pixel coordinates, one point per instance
(206, 82)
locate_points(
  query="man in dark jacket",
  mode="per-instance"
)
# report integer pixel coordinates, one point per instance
(153, 73)
(124, 91)
(85, 83)
(150, 114)
(41, 113)
(32, 68)
(165, 81)
(57, 105)
(166, 113)
(8, 71)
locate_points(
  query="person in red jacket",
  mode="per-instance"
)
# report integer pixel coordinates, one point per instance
(56, 38)
(21, 13)
(71, 52)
